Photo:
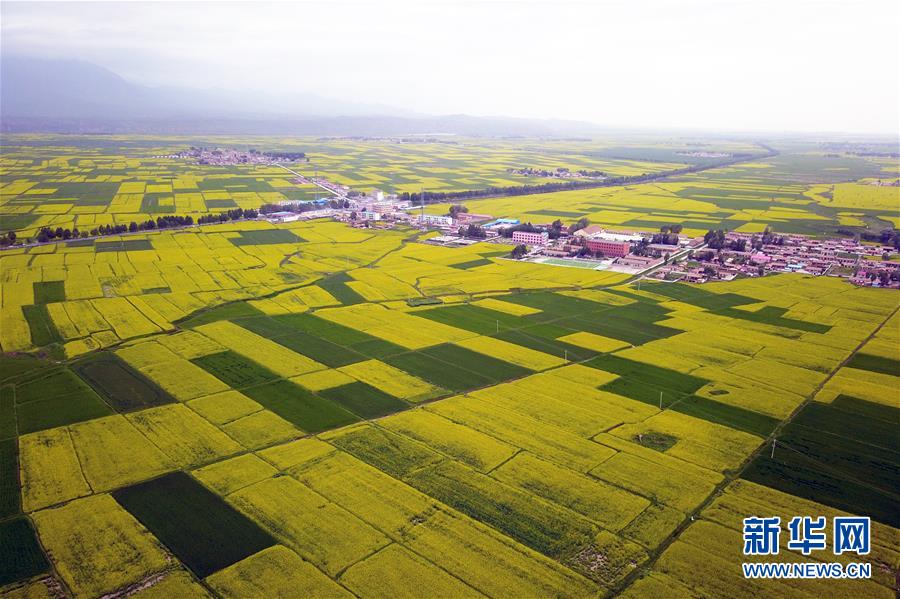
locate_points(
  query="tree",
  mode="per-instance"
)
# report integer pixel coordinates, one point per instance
(353, 215)
(715, 239)
(518, 252)
(580, 224)
(455, 209)
(475, 232)
(666, 258)
(555, 229)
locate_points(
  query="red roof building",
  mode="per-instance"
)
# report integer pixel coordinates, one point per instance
(614, 249)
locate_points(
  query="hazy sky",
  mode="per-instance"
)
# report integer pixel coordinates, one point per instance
(799, 65)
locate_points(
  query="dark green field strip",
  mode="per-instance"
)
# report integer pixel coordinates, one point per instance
(336, 285)
(863, 428)
(203, 531)
(525, 338)
(646, 383)
(556, 305)
(16, 367)
(642, 391)
(20, 554)
(875, 364)
(731, 416)
(127, 245)
(377, 348)
(725, 303)
(220, 204)
(43, 331)
(320, 350)
(235, 370)
(10, 503)
(295, 404)
(278, 327)
(699, 297)
(487, 253)
(611, 324)
(17, 222)
(123, 387)
(55, 399)
(472, 264)
(49, 291)
(364, 400)
(545, 527)
(389, 452)
(319, 327)
(47, 383)
(266, 237)
(869, 409)
(231, 311)
(472, 318)
(438, 372)
(793, 474)
(773, 315)
(59, 411)
(671, 381)
(842, 454)
(547, 330)
(493, 369)
(7, 412)
(838, 454)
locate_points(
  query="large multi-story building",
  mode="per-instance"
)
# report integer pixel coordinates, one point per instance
(527, 238)
(613, 249)
(434, 220)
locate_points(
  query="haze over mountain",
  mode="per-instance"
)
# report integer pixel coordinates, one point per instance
(40, 94)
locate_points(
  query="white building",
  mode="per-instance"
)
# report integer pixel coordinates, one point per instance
(621, 237)
(435, 220)
(281, 217)
(368, 215)
(526, 238)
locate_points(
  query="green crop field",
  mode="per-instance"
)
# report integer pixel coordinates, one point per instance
(250, 408)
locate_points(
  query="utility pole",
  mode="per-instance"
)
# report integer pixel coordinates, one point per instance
(773, 449)
(660, 400)
(498, 325)
(566, 355)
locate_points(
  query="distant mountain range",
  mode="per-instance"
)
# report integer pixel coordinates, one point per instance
(71, 96)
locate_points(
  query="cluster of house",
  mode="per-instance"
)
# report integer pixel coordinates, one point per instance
(862, 264)
(683, 258)
(558, 173)
(231, 156)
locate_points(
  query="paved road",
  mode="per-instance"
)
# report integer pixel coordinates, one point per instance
(325, 187)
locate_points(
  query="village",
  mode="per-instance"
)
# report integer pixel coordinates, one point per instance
(231, 156)
(667, 254)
